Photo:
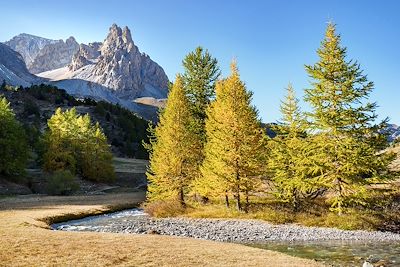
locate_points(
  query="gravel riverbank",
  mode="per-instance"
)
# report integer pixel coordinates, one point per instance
(226, 230)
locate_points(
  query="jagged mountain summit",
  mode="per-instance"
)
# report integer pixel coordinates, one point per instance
(13, 69)
(41, 54)
(114, 70)
(116, 65)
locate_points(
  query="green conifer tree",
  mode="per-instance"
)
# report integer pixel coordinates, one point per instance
(13, 143)
(172, 157)
(291, 154)
(344, 124)
(235, 143)
(201, 73)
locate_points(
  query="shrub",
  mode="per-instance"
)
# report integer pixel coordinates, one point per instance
(99, 109)
(61, 183)
(31, 108)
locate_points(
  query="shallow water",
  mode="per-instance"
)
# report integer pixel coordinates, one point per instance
(96, 223)
(340, 253)
(336, 253)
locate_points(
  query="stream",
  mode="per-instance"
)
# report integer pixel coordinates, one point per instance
(332, 252)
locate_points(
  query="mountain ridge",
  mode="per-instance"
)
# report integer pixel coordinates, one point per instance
(113, 70)
(54, 56)
(13, 70)
(28, 45)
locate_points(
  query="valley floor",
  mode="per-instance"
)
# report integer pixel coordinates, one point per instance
(26, 239)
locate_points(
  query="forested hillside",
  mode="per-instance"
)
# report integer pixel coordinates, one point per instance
(54, 143)
(34, 105)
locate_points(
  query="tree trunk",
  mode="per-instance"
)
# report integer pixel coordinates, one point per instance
(295, 201)
(247, 202)
(181, 198)
(238, 204)
(340, 197)
(226, 199)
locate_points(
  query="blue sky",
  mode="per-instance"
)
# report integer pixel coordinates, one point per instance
(271, 40)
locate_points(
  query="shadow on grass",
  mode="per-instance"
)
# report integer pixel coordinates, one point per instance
(31, 202)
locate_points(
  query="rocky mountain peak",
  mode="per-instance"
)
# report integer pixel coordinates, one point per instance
(114, 70)
(41, 54)
(124, 69)
(29, 46)
(393, 132)
(126, 35)
(115, 29)
(87, 54)
(54, 56)
(71, 41)
(118, 39)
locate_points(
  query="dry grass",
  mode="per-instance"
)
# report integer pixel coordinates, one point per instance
(352, 220)
(381, 214)
(395, 166)
(162, 209)
(26, 240)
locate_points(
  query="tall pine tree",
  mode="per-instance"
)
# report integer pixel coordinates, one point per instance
(13, 144)
(173, 143)
(291, 155)
(235, 143)
(201, 72)
(199, 78)
(344, 123)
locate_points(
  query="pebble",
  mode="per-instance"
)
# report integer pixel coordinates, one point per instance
(231, 230)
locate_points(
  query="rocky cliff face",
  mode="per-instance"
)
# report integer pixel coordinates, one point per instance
(118, 65)
(41, 54)
(87, 54)
(13, 69)
(393, 132)
(28, 46)
(54, 56)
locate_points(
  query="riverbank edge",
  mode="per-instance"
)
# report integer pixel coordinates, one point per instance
(26, 221)
(50, 220)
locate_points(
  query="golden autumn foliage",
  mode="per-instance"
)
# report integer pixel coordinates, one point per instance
(234, 152)
(171, 160)
(73, 143)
